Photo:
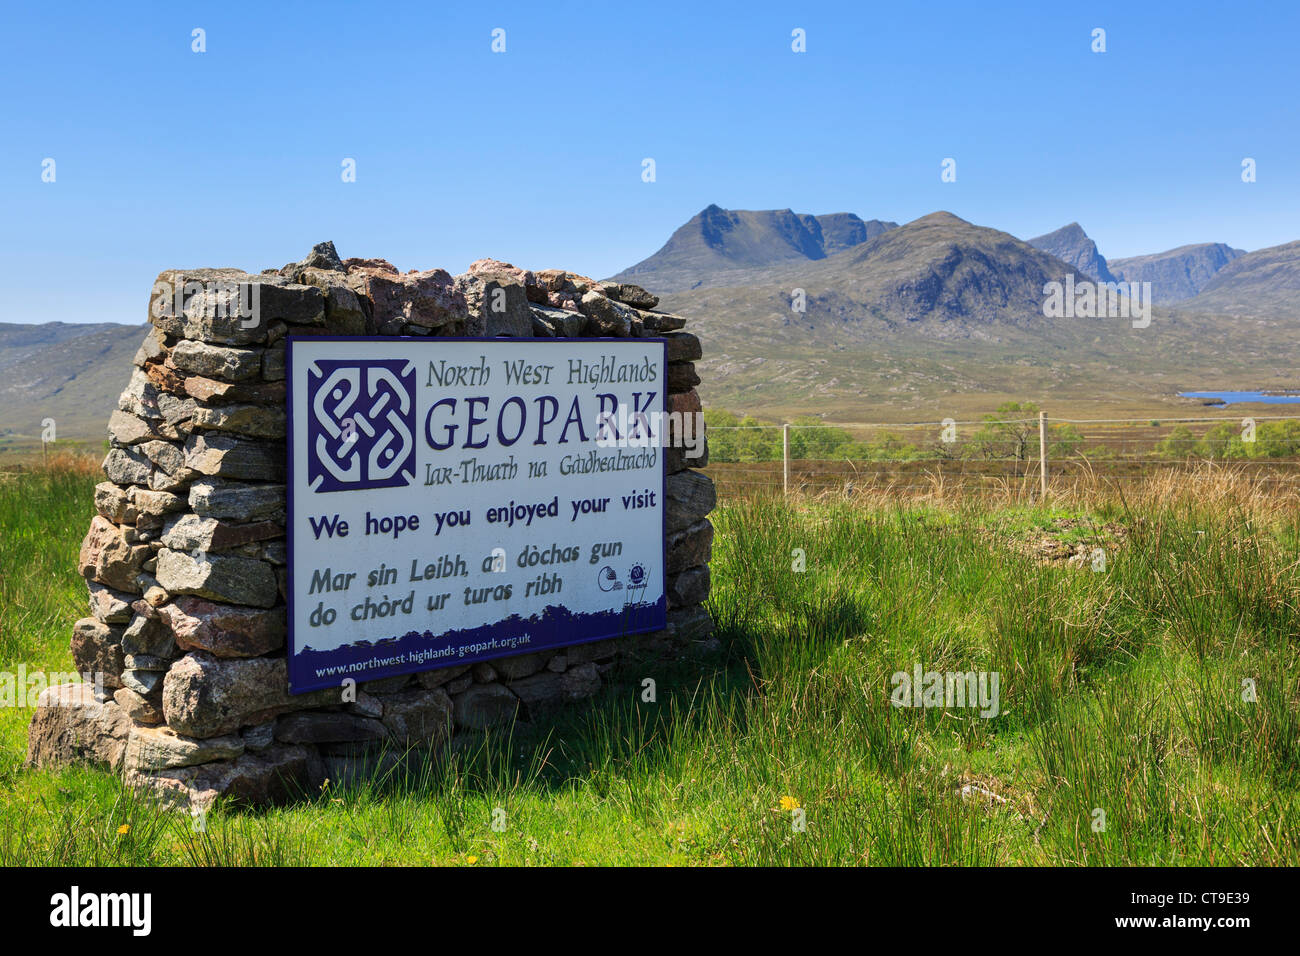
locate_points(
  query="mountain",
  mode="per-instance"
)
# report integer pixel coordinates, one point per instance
(68, 372)
(1264, 283)
(717, 243)
(942, 317)
(1072, 246)
(1179, 273)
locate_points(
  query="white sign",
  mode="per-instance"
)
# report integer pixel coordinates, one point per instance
(455, 500)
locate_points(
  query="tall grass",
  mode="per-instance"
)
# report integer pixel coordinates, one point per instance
(1148, 714)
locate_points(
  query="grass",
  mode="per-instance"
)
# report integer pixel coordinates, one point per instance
(1160, 698)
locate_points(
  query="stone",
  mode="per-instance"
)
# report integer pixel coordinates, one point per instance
(140, 398)
(277, 775)
(126, 428)
(690, 623)
(689, 587)
(108, 605)
(208, 390)
(146, 662)
(215, 361)
(660, 322)
(497, 304)
(591, 651)
(344, 313)
(127, 466)
(366, 705)
(521, 665)
(386, 685)
(207, 696)
(322, 256)
(482, 706)
(426, 299)
(168, 457)
(220, 498)
(140, 709)
(327, 727)
(605, 317)
(441, 676)
(256, 421)
(230, 457)
(160, 748)
(260, 737)
(97, 652)
(224, 630)
(106, 556)
(147, 634)
(114, 503)
(484, 673)
(70, 724)
(418, 717)
(273, 367)
(681, 376)
(689, 496)
(150, 502)
(156, 597)
(543, 692)
(211, 310)
(144, 683)
(191, 532)
(682, 347)
(218, 577)
(630, 294)
(563, 322)
(689, 547)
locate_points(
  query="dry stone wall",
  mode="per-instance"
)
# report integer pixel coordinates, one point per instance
(185, 559)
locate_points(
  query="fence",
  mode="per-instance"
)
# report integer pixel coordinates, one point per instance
(1027, 455)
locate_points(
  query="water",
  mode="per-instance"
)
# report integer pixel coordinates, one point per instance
(1233, 398)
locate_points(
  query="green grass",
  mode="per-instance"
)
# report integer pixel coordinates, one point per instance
(1120, 692)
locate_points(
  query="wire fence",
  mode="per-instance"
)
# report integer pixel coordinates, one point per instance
(1028, 456)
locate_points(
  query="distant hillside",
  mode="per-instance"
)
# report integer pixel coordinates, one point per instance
(1264, 283)
(716, 244)
(1179, 273)
(71, 373)
(1072, 246)
(941, 315)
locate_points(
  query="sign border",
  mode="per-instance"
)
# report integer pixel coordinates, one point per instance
(289, 341)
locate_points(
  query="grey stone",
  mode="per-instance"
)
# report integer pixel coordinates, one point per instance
(484, 705)
(143, 683)
(219, 498)
(206, 696)
(690, 496)
(127, 466)
(418, 717)
(97, 650)
(215, 361)
(160, 748)
(219, 577)
(71, 725)
(325, 727)
(231, 457)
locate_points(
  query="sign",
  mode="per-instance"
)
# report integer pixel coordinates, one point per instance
(456, 500)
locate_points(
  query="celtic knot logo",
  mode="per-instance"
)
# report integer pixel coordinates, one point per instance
(361, 424)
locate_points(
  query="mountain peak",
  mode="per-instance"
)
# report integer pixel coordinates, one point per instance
(717, 241)
(1072, 246)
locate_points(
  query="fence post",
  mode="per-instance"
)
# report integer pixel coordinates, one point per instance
(785, 459)
(1042, 454)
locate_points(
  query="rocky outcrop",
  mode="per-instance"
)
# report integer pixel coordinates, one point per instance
(186, 562)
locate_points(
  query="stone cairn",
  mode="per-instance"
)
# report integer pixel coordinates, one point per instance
(186, 556)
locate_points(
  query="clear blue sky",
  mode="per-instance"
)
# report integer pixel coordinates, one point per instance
(168, 158)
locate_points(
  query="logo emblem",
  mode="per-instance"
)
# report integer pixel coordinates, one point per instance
(361, 424)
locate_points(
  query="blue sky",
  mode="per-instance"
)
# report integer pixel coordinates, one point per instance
(169, 158)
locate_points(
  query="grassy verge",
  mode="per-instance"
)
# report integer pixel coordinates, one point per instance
(1147, 714)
